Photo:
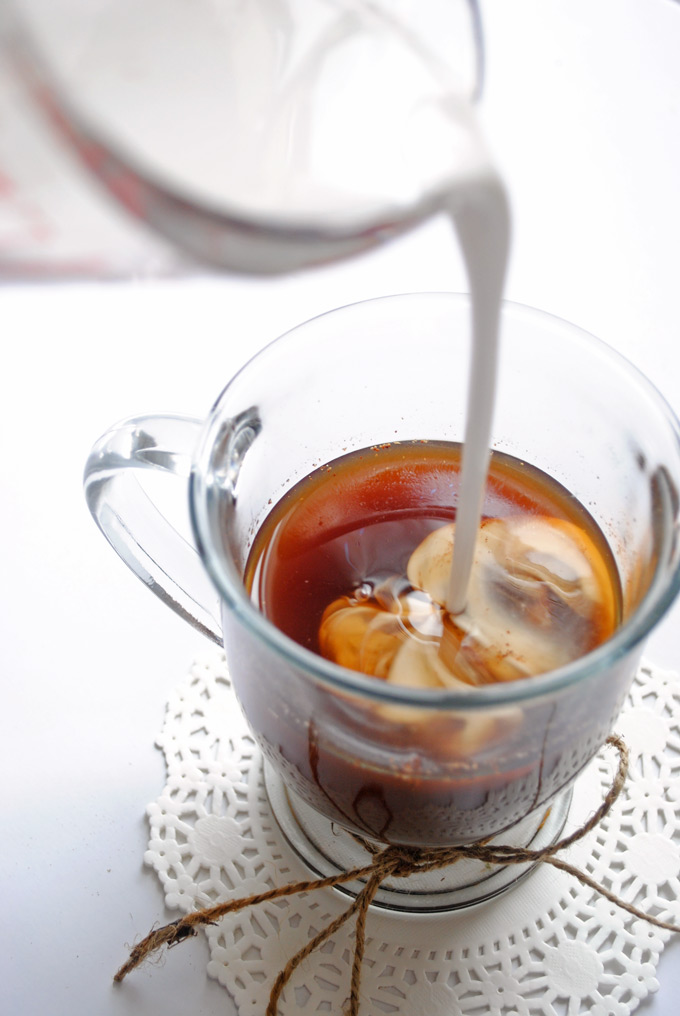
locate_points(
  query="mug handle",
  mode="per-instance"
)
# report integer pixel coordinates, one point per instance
(136, 528)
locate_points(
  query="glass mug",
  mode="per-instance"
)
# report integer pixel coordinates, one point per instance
(352, 752)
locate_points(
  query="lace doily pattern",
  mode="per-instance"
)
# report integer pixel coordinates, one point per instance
(550, 947)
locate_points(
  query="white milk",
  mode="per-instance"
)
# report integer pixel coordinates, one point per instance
(315, 113)
(481, 214)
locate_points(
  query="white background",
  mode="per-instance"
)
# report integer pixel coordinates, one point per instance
(582, 107)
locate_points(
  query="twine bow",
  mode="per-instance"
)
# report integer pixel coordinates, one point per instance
(392, 862)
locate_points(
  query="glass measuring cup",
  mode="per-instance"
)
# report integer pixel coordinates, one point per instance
(259, 137)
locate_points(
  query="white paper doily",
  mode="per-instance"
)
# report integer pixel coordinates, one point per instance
(548, 948)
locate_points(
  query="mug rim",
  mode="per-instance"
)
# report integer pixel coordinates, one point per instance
(654, 604)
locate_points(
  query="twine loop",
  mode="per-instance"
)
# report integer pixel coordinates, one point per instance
(392, 862)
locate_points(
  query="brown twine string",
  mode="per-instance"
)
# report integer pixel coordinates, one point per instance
(392, 862)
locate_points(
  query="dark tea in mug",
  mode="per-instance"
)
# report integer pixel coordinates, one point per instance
(353, 563)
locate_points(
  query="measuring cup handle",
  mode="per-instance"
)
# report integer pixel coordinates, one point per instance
(133, 524)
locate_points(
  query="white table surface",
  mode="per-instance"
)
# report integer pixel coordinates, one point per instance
(583, 109)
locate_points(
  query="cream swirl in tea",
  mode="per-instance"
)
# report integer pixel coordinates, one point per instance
(354, 563)
(539, 596)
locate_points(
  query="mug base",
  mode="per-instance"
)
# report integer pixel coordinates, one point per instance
(327, 849)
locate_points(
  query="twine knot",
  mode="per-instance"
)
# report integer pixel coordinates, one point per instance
(391, 862)
(400, 862)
